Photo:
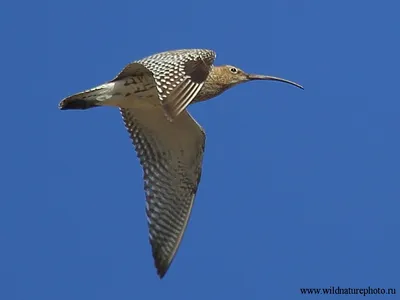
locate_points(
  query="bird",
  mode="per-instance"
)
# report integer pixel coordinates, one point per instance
(153, 94)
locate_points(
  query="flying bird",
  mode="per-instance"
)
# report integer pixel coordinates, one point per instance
(152, 95)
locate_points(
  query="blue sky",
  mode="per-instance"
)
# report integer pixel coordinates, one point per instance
(299, 188)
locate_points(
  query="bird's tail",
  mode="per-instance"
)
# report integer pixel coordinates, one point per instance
(87, 99)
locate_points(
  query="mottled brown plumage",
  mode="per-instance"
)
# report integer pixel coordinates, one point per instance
(222, 78)
(152, 95)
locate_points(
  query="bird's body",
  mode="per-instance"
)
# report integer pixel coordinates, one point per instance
(152, 95)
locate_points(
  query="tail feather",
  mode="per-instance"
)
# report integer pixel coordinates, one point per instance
(71, 103)
(87, 99)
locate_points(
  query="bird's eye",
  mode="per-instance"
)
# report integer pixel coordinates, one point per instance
(233, 70)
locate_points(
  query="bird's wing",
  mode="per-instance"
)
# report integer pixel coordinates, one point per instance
(133, 69)
(179, 76)
(171, 155)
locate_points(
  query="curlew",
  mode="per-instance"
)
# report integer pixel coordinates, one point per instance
(152, 95)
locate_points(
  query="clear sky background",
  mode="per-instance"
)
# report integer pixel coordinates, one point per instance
(299, 188)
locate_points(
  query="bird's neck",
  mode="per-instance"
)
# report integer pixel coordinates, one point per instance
(212, 87)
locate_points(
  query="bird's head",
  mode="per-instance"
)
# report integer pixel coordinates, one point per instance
(231, 76)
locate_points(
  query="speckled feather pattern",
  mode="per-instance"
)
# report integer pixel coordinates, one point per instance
(179, 76)
(171, 156)
(169, 67)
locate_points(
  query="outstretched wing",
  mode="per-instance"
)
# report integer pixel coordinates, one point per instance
(178, 74)
(171, 155)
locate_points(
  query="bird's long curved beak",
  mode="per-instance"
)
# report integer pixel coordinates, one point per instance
(266, 77)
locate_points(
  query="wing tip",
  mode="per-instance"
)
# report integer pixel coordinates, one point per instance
(161, 264)
(161, 273)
